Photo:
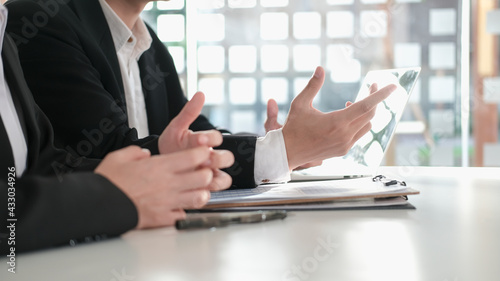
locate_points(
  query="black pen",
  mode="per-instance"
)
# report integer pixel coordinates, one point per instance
(225, 219)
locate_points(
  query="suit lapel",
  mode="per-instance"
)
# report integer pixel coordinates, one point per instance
(154, 91)
(92, 19)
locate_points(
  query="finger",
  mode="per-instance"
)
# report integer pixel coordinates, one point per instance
(182, 161)
(194, 180)
(220, 181)
(219, 159)
(211, 138)
(130, 153)
(363, 131)
(311, 90)
(373, 88)
(189, 113)
(365, 105)
(193, 199)
(363, 120)
(272, 116)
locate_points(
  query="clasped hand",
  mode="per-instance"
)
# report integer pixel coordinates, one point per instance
(181, 177)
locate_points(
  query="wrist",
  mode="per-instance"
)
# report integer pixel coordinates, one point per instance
(291, 152)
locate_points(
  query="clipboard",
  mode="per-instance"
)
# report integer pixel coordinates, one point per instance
(390, 203)
(311, 192)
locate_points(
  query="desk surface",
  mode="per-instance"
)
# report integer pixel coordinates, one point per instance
(453, 235)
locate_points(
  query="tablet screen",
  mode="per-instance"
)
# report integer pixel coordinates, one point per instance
(370, 149)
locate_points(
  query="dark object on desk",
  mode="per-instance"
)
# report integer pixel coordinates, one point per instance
(225, 219)
(387, 182)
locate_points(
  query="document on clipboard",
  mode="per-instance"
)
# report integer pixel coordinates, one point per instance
(347, 191)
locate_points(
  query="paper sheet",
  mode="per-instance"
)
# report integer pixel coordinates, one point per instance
(307, 191)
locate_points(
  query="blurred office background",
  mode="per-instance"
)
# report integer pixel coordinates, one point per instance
(240, 53)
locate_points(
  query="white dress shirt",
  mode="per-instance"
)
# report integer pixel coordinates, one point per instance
(8, 110)
(130, 45)
(271, 163)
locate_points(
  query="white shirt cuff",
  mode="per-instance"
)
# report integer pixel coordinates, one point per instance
(271, 162)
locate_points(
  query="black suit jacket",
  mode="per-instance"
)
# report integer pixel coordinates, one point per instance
(53, 205)
(71, 65)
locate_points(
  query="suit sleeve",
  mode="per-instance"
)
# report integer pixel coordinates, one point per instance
(60, 200)
(242, 171)
(52, 207)
(80, 207)
(92, 122)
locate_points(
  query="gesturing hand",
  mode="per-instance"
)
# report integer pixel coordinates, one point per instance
(177, 135)
(162, 186)
(273, 124)
(311, 135)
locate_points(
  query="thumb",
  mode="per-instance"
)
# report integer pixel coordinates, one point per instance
(315, 83)
(189, 113)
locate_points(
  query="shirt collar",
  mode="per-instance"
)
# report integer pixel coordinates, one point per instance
(121, 33)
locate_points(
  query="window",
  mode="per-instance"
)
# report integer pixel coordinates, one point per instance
(241, 53)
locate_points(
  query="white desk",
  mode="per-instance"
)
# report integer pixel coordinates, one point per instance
(453, 235)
